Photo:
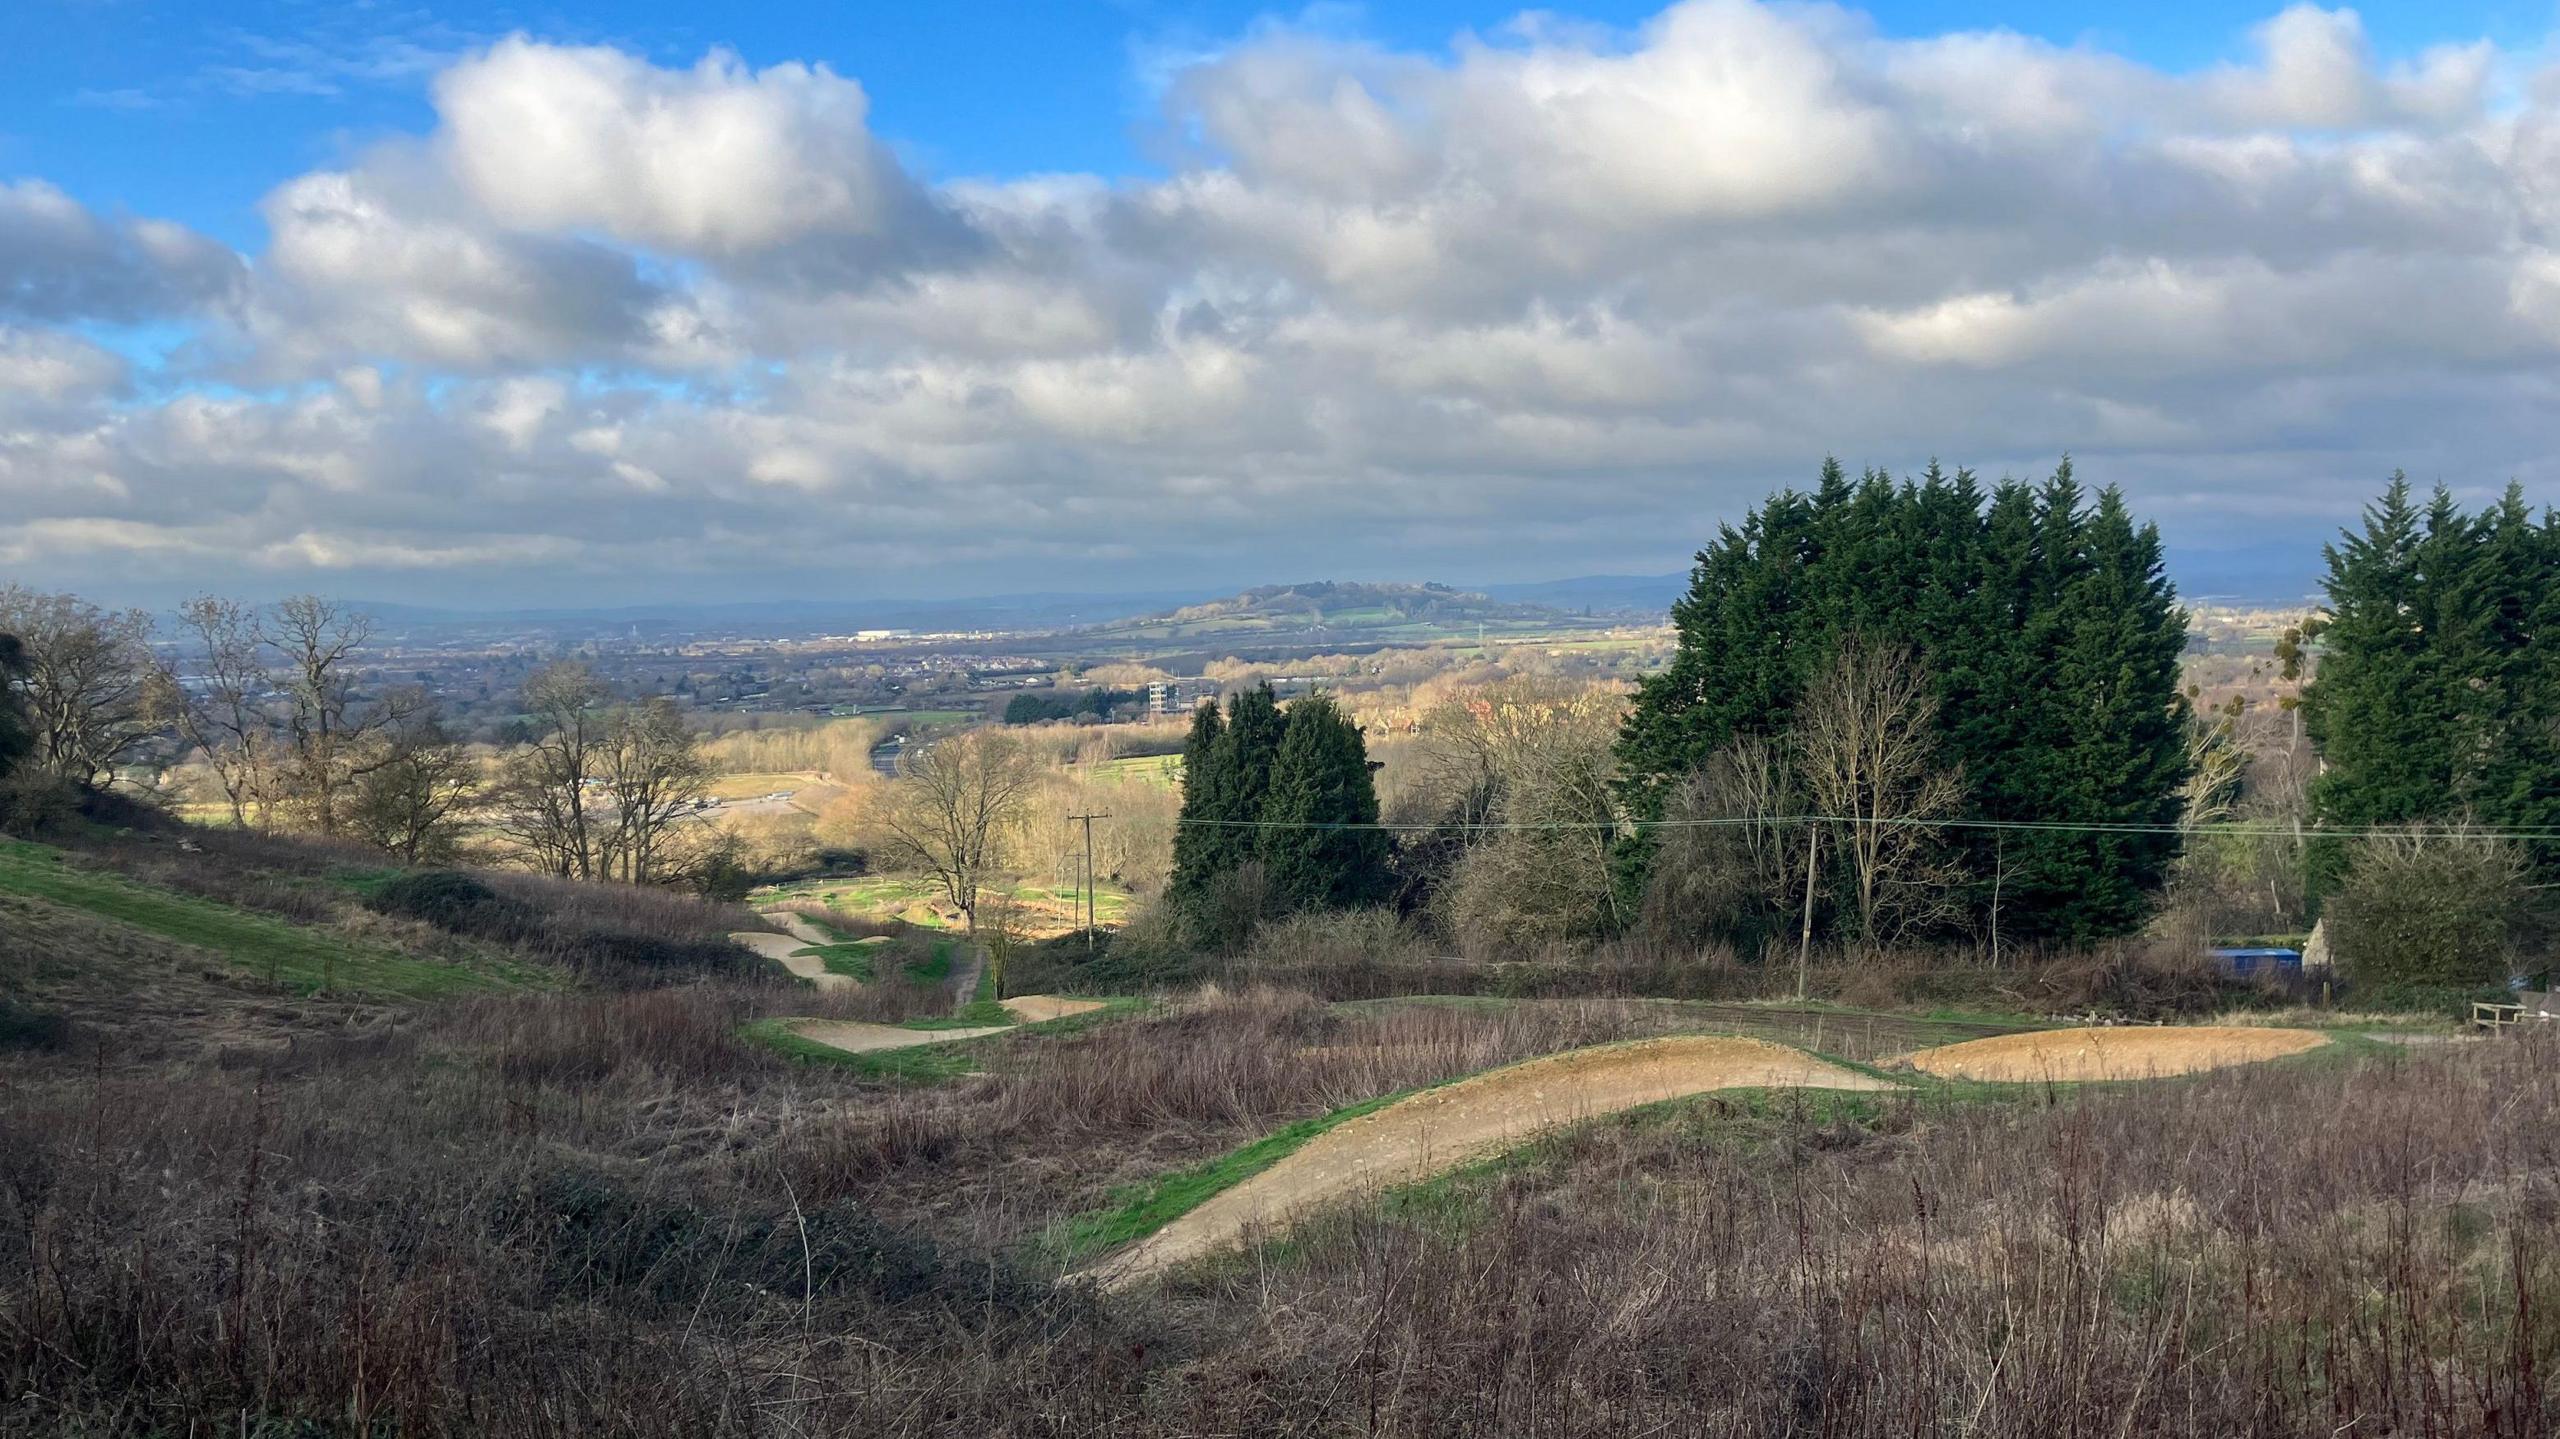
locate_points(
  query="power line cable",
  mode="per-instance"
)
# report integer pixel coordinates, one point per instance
(2235, 830)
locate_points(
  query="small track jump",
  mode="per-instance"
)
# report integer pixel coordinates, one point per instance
(1442, 1128)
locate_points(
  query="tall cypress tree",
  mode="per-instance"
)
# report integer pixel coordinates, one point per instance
(1226, 785)
(2049, 633)
(1316, 844)
(2385, 759)
(1202, 838)
(2437, 696)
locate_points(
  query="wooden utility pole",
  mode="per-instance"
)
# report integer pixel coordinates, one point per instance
(1088, 876)
(1804, 938)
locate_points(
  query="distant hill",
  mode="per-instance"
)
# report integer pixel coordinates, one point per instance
(1629, 595)
(1319, 608)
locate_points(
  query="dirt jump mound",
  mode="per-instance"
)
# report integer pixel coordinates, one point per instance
(784, 950)
(2129, 1053)
(855, 1037)
(1037, 1008)
(1440, 1129)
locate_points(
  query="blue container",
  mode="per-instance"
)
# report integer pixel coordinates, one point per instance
(2248, 961)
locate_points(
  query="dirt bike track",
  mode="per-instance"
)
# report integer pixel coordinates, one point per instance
(2099, 1054)
(1440, 1129)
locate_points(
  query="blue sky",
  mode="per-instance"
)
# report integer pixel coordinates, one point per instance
(191, 110)
(486, 303)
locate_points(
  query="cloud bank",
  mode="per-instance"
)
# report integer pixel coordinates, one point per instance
(1546, 301)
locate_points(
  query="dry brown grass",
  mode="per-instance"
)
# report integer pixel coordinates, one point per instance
(602, 1213)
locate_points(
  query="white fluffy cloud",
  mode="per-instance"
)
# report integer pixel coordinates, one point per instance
(717, 159)
(1553, 300)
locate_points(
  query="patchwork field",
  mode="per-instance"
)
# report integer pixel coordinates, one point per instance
(1041, 911)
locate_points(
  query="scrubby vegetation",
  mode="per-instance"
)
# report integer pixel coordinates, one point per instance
(341, 1118)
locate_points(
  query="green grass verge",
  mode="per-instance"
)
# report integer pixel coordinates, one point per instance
(850, 960)
(300, 958)
(935, 967)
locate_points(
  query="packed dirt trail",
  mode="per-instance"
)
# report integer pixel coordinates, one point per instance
(784, 949)
(855, 1037)
(1440, 1129)
(2096, 1054)
(1033, 1008)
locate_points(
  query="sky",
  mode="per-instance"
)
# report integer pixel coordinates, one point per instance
(484, 305)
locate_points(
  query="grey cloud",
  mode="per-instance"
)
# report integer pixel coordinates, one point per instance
(60, 261)
(1553, 301)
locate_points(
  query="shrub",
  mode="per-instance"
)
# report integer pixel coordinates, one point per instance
(454, 901)
(2428, 910)
(24, 1028)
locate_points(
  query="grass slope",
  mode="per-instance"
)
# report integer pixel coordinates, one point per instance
(299, 958)
(850, 960)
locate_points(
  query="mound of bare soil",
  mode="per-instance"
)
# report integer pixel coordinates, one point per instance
(1440, 1129)
(2127, 1053)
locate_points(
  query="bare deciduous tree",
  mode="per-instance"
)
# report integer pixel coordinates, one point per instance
(953, 807)
(220, 708)
(329, 723)
(1866, 748)
(1536, 763)
(654, 777)
(2217, 761)
(547, 787)
(86, 681)
(1732, 859)
(412, 799)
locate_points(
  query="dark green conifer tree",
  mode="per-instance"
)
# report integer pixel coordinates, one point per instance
(2437, 695)
(1200, 840)
(1319, 845)
(2048, 631)
(17, 734)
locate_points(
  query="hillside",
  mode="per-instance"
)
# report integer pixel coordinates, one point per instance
(1325, 608)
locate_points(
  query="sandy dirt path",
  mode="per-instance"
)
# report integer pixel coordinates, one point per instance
(1033, 1008)
(784, 949)
(1440, 1129)
(854, 1037)
(2125, 1053)
(799, 929)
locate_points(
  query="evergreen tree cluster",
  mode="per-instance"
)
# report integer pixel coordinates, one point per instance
(2051, 637)
(2437, 696)
(1034, 709)
(1290, 790)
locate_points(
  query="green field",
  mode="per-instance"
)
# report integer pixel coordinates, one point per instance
(1163, 771)
(1043, 911)
(301, 958)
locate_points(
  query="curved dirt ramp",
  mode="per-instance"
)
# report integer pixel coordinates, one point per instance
(1440, 1129)
(798, 928)
(784, 949)
(2121, 1053)
(1036, 1008)
(855, 1037)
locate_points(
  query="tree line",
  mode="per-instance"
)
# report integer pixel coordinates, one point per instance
(296, 733)
(1926, 711)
